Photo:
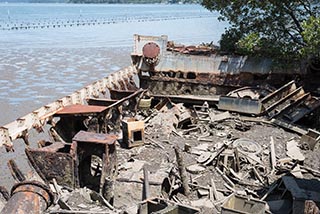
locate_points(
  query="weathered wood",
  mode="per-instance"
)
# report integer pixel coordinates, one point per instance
(15, 171)
(225, 178)
(4, 193)
(175, 132)
(257, 175)
(155, 143)
(214, 189)
(272, 154)
(102, 200)
(312, 171)
(172, 186)
(127, 180)
(199, 186)
(63, 205)
(237, 160)
(182, 171)
(56, 186)
(146, 186)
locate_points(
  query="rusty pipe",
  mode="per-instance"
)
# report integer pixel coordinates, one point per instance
(30, 197)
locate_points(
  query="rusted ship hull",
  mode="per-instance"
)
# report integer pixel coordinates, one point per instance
(97, 137)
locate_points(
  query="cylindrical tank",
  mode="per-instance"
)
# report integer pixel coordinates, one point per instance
(30, 197)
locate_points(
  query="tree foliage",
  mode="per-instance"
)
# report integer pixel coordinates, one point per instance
(286, 28)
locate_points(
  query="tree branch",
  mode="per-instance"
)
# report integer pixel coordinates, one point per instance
(294, 38)
(294, 18)
(307, 6)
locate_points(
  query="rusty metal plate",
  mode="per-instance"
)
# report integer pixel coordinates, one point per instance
(151, 50)
(101, 101)
(80, 109)
(46, 165)
(91, 137)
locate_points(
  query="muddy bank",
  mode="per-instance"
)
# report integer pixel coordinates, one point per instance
(32, 78)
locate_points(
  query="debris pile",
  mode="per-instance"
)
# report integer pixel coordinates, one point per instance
(176, 156)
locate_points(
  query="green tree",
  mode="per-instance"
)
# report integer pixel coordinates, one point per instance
(276, 28)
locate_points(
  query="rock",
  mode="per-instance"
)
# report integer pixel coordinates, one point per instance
(293, 151)
(203, 192)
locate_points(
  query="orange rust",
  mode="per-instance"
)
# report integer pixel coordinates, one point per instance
(28, 197)
(80, 109)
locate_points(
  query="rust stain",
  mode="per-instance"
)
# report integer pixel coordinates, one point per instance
(28, 197)
(91, 137)
(80, 109)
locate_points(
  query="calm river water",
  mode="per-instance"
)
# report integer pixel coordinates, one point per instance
(41, 64)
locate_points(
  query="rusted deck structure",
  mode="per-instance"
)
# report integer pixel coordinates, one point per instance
(202, 71)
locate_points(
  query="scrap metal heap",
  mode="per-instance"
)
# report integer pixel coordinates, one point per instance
(186, 141)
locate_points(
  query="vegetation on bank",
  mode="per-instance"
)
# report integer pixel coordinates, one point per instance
(286, 29)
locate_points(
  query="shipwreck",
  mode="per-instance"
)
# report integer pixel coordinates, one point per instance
(182, 130)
